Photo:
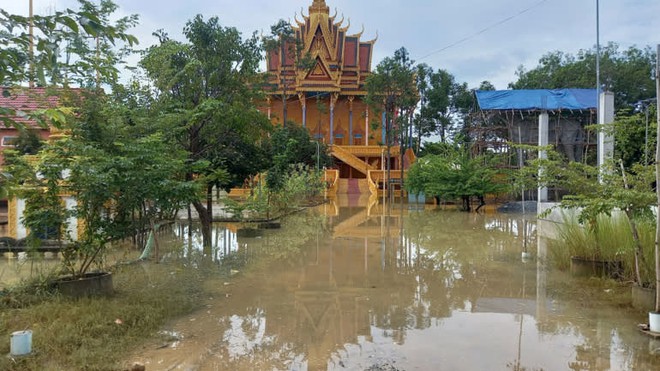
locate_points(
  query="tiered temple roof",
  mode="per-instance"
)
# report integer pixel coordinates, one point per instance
(342, 60)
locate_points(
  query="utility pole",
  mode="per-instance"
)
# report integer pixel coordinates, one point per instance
(657, 180)
(31, 51)
(598, 49)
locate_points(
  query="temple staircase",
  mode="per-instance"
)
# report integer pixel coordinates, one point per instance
(350, 159)
(353, 186)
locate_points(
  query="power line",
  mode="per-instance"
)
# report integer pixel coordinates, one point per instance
(505, 20)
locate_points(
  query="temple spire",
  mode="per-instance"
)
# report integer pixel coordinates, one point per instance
(319, 6)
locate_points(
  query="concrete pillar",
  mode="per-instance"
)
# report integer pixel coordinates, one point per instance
(605, 117)
(543, 141)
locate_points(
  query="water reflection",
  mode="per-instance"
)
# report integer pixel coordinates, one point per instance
(346, 286)
(356, 287)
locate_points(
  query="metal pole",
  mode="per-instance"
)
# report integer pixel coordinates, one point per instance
(598, 56)
(646, 136)
(657, 179)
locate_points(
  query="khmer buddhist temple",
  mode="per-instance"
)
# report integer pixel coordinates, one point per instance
(327, 97)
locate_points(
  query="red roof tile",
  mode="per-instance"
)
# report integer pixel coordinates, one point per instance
(28, 100)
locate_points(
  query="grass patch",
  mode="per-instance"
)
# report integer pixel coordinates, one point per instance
(96, 333)
(610, 240)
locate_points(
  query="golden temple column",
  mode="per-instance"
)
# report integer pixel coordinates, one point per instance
(333, 102)
(350, 120)
(303, 103)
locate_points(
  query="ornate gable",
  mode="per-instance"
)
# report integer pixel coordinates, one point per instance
(342, 61)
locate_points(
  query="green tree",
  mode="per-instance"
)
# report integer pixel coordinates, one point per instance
(283, 43)
(62, 54)
(455, 175)
(634, 134)
(37, 180)
(120, 190)
(207, 88)
(595, 191)
(626, 73)
(292, 146)
(94, 59)
(422, 126)
(29, 142)
(445, 104)
(392, 88)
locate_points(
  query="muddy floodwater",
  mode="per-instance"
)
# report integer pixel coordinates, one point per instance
(359, 286)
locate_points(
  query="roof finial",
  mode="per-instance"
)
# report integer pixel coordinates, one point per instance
(319, 6)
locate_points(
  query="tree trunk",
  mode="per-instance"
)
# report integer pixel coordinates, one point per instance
(639, 256)
(209, 201)
(482, 202)
(205, 221)
(189, 223)
(466, 203)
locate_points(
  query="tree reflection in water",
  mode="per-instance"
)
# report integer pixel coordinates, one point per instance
(353, 287)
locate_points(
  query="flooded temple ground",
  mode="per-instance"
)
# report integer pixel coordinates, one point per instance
(352, 286)
(374, 288)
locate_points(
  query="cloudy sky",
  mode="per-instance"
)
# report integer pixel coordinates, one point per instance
(499, 35)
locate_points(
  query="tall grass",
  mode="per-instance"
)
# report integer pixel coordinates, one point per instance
(609, 239)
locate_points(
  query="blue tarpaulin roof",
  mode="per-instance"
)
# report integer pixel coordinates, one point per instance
(541, 99)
